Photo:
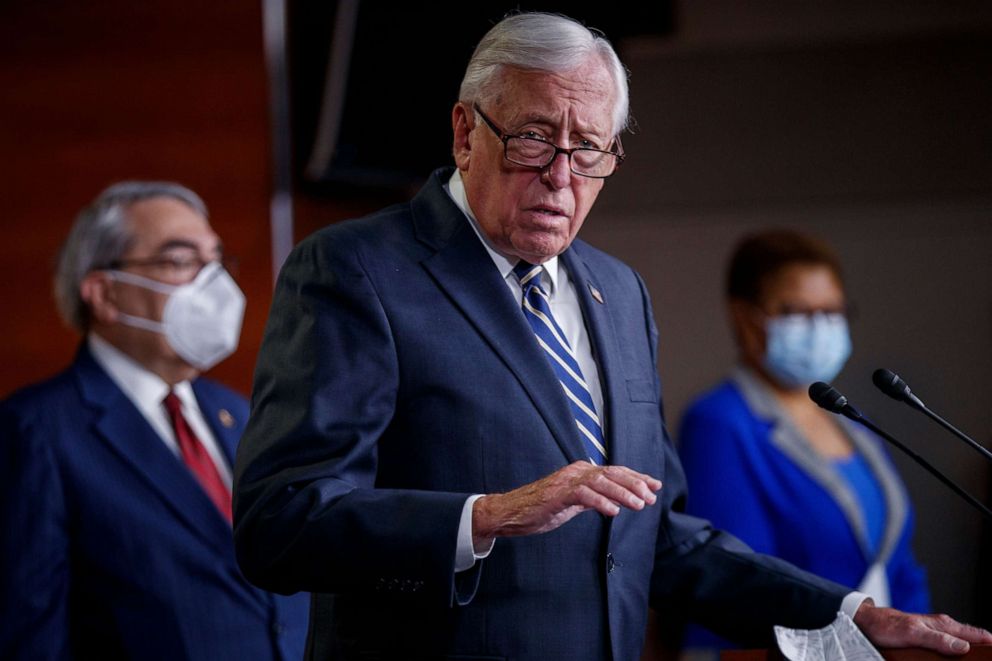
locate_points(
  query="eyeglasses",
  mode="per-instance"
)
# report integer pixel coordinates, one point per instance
(847, 311)
(177, 267)
(539, 154)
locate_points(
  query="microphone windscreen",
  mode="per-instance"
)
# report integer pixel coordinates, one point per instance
(889, 383)
(827, 397)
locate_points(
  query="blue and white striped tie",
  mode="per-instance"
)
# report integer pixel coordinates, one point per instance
(552, 340)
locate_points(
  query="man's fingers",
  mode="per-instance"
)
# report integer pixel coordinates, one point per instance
(617, 493)
(947, 635)
(963, 631)
(887, 627)
(591, 499)
(652, 484)
(643, 486)
(619, 484)
(954, 636)
(941, 642)
(975, 634)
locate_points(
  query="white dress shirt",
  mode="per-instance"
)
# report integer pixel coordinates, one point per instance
(565, 307)
(147, 391)
(562, 296)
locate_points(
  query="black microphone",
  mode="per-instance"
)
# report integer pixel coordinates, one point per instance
(827, 397)
(889, 383)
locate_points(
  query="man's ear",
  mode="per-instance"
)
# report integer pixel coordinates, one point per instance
(97, 291)
(462, 123)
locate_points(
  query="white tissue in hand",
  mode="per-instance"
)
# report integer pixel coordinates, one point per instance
(841, 640)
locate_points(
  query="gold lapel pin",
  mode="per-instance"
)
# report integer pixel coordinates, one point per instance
(225, 418)
(596, 294)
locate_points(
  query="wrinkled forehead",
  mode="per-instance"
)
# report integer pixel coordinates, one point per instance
(584, 96)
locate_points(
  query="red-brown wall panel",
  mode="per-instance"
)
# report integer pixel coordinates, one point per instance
(91, 93)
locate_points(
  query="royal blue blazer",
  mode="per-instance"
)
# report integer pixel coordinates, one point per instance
(752, 473)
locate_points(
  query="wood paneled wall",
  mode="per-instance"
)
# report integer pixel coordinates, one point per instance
(95, 92)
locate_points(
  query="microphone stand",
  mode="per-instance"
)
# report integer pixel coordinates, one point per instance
(889, 383)
(857, 417)
(827, 397)
(957, 432)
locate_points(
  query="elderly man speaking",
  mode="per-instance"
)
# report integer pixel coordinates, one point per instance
(456, 435)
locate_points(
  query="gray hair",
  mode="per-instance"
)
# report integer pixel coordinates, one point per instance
(100, 236)
(542, 42)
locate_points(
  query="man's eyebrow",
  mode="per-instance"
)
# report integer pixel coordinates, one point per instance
(537, 118)
(183, 244)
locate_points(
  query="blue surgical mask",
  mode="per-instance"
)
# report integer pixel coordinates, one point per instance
(802, 349)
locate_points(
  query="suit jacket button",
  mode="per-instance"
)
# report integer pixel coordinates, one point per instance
(610, 563)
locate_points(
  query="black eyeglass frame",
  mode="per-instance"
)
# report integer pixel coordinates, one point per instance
(506, 137)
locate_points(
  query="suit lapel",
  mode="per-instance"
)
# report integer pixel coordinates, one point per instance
(603, 338)
(463, 270)
(119, 424)
(787, 438)
(226, 429)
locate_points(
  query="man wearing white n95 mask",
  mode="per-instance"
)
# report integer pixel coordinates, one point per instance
(117, 472)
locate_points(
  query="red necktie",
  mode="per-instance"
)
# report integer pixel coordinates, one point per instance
(196, 457)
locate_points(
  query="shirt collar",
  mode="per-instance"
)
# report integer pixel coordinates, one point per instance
(456, 190)
(138, 383)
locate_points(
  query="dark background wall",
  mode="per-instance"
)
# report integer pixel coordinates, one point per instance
(868, 125)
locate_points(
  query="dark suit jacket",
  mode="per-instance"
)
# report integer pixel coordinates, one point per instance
(397, 377)
(110, 549)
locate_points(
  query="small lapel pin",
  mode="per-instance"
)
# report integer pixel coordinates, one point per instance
(595, 294)
(225, 418)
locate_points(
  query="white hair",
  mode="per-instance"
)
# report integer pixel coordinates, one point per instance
(542, 42)
(100, 236)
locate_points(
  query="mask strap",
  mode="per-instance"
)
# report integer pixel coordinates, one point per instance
(141, 322)
(142, 281)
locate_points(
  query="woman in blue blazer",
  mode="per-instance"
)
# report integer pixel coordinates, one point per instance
(765, 463)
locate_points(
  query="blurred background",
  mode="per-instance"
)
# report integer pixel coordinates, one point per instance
(867, 124)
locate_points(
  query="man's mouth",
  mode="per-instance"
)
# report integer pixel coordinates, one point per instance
(549, 211)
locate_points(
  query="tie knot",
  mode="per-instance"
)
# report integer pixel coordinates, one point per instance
(172, 403)
(525, 272)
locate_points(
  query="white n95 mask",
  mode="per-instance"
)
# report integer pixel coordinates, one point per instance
(201, 320)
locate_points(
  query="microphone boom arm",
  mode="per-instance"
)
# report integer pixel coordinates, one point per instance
(889, 383)
(925, 464)
(827, 397)
(957, 432)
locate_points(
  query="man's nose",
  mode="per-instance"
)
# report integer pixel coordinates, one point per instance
(558, 172)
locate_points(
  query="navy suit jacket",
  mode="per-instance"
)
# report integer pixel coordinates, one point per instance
(397, 377)
(110, 548)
